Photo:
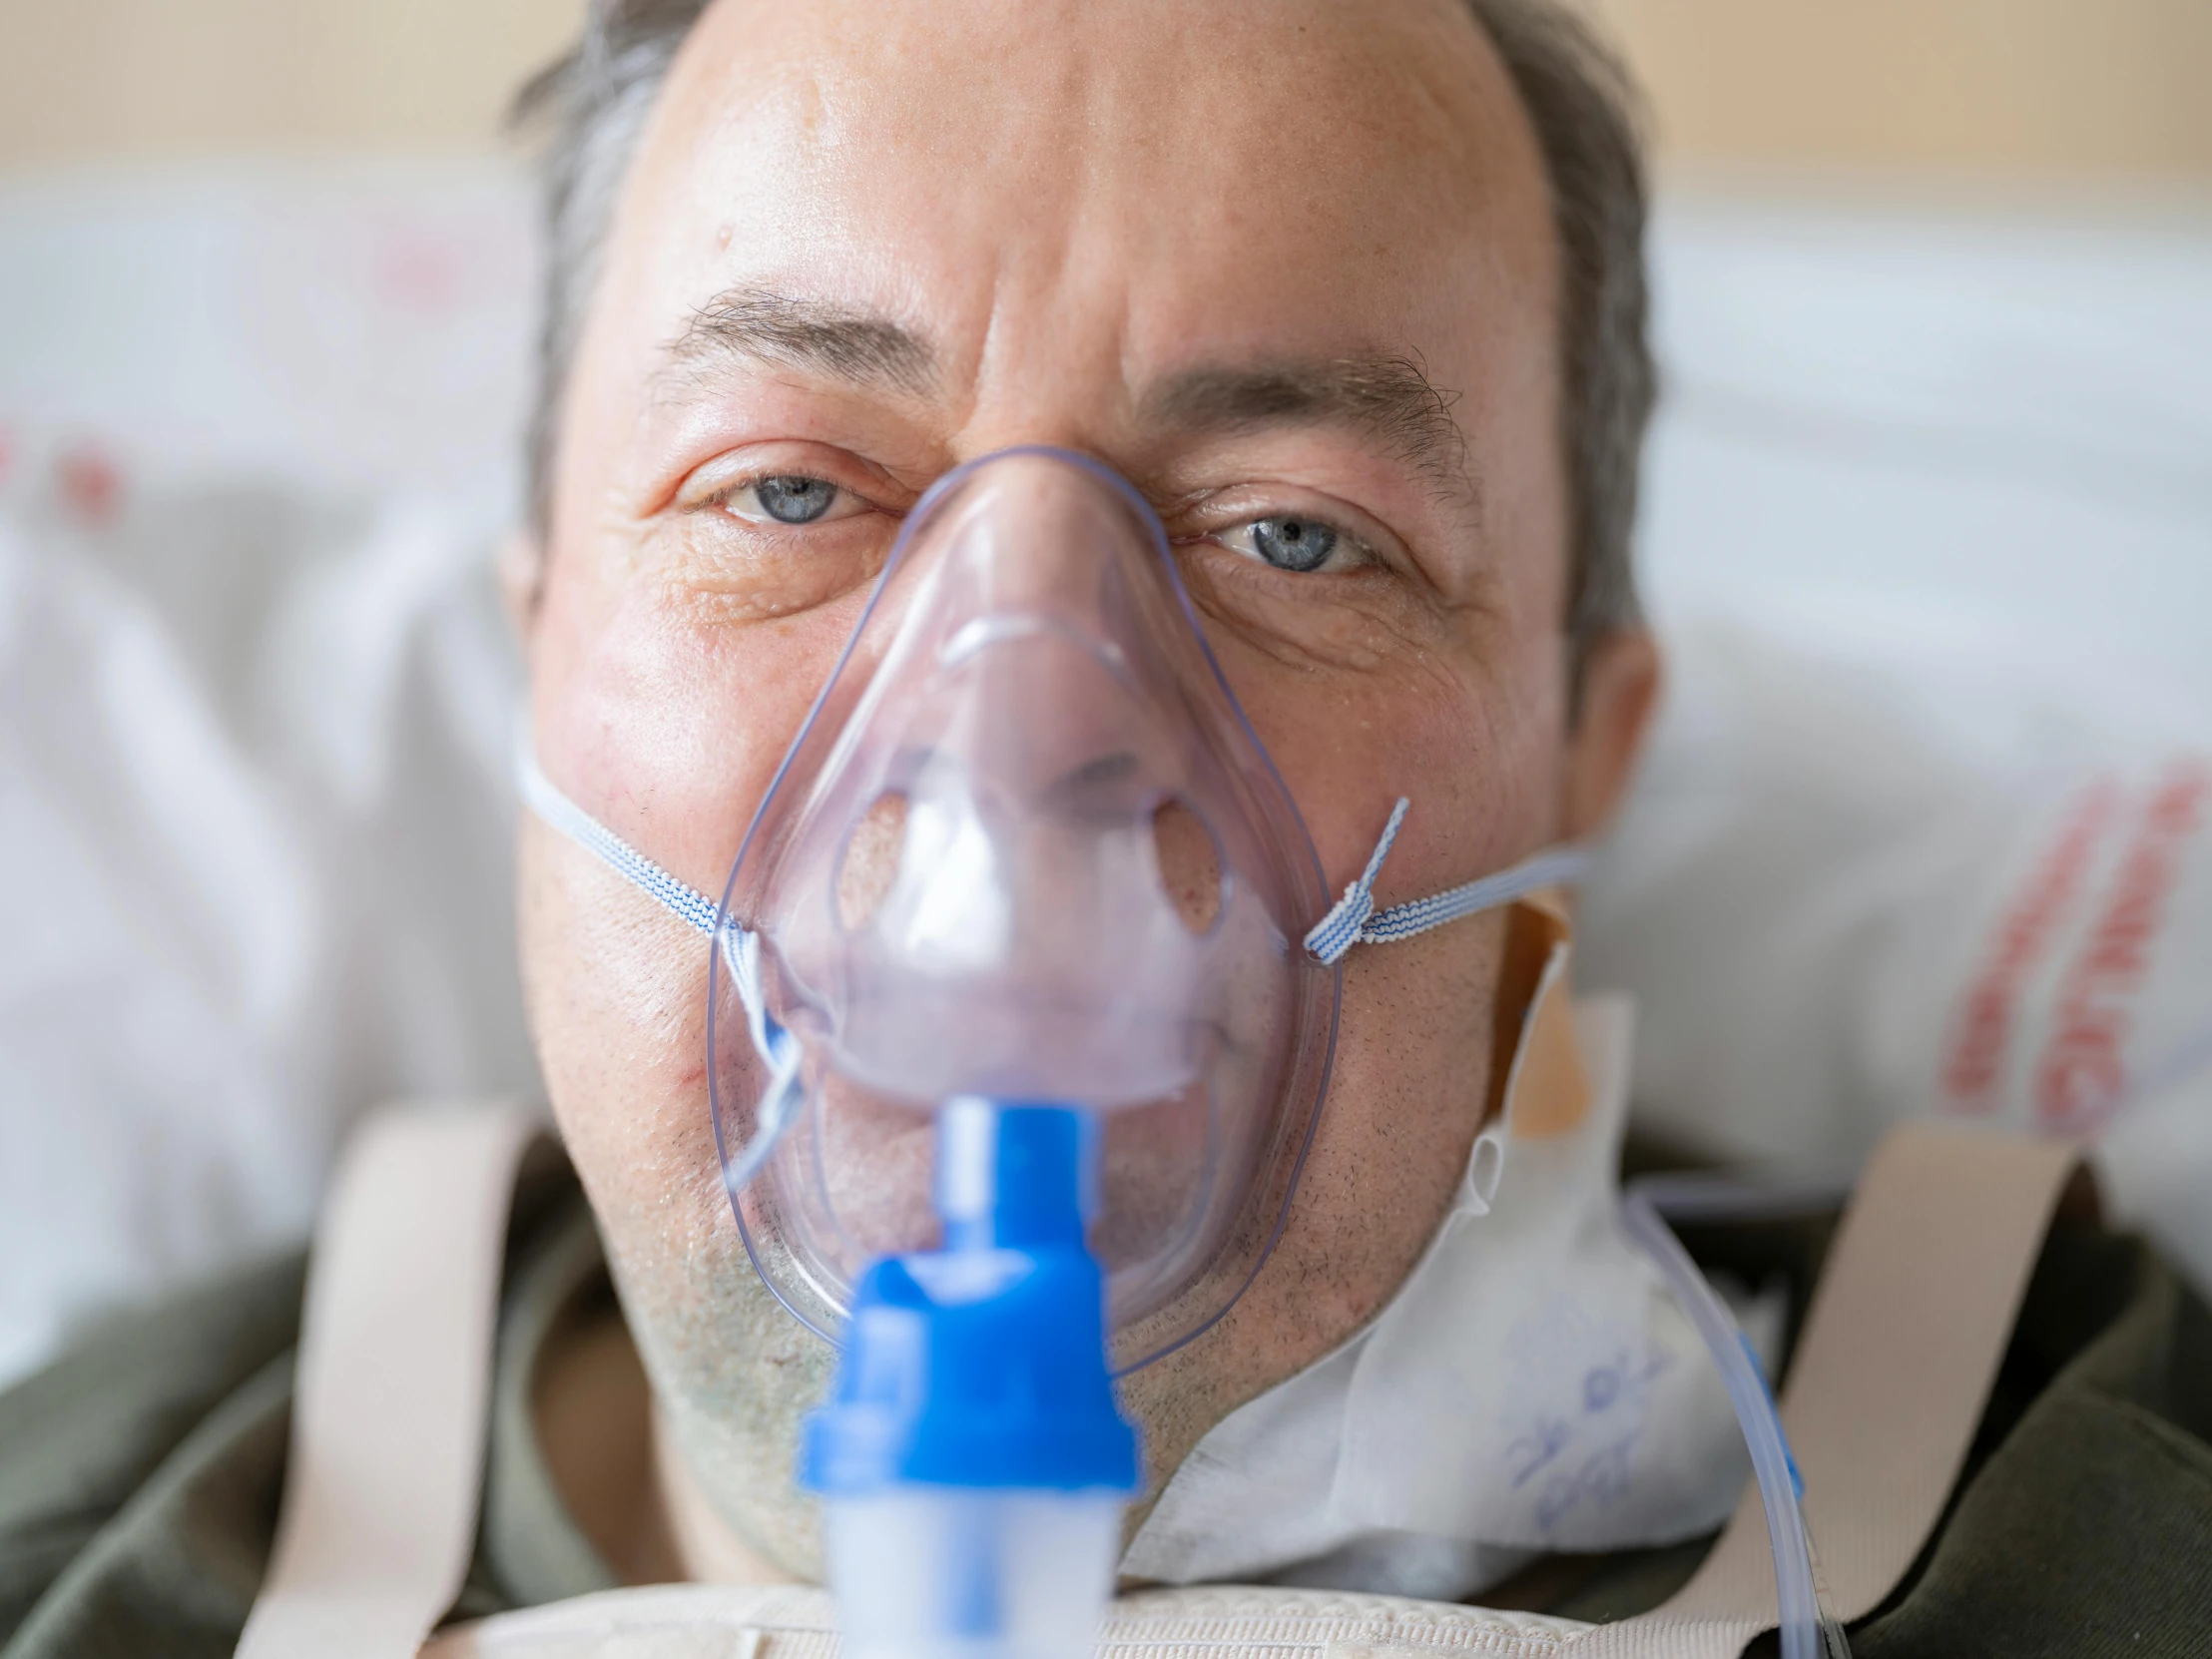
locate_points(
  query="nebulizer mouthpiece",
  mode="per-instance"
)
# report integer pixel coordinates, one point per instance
(972, 1463)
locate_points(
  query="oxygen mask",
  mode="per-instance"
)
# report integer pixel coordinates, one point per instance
(1026, 847)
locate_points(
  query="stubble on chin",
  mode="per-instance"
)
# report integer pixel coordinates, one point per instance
(616, 993)
(733, 1374)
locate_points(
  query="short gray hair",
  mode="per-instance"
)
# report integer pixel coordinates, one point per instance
(1578, 97)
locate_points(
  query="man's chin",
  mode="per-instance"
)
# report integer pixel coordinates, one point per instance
(734, 1377)
(729, 1502)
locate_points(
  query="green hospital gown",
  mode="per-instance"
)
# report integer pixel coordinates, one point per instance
(140, 1477)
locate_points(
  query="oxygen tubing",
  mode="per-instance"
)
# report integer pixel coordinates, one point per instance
(1805, 1625)
(1806, 1631)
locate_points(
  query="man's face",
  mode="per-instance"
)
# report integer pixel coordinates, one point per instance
(1270, 258)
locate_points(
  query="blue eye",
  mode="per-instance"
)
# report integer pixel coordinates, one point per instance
(1293, 544)
(793, 499)
(790, 499)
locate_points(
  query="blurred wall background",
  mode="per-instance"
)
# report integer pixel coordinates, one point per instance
(101, 78)
(2038, 87)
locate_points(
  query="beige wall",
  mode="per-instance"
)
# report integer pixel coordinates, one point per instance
(2036, 85)
(139, 77)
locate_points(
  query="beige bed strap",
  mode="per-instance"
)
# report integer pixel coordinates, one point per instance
(1900, 1348)
(1899, 1351)
(390, 1407)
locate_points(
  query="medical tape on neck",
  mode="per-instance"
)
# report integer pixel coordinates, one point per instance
(1351, 921)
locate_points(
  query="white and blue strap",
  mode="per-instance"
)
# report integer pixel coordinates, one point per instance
(1353, 919)
(740, 947)
(542, 797)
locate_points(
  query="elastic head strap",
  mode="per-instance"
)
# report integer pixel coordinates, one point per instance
(542, 797)
(740, 950)
(1353, 919)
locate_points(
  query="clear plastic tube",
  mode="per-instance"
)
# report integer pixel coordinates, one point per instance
(1808, 1628)
(1805, 1629)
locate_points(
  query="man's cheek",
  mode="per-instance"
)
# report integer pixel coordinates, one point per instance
(667, 724)
(617, 1000)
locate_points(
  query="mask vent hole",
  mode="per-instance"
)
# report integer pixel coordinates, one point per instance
(1189, 863)
(870, 869)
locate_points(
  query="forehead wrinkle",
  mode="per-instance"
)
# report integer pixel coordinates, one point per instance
(747, 323)
(1388, 400)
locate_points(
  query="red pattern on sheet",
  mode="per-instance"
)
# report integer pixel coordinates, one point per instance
(91, 482)
(2083, 1077)
(1973, 1065)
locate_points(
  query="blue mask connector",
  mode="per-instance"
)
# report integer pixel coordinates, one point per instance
(972, 1461)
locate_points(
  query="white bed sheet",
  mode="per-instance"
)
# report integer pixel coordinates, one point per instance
(258, 437)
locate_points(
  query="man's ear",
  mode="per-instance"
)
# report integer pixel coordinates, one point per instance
(521, 571)
(1619, 691)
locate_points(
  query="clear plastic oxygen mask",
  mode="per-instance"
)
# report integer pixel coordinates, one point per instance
(1025, 848)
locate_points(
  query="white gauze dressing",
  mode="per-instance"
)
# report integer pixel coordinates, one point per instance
(1531, 1386)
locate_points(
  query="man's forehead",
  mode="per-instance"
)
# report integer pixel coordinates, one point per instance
(1237, 70)
(1218, 150)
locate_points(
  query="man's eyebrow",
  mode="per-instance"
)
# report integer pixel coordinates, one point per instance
(863, 347)
(1389, 399)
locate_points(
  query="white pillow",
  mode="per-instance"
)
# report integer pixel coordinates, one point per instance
(257, 877)
(258, 431)
(1927, 826)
